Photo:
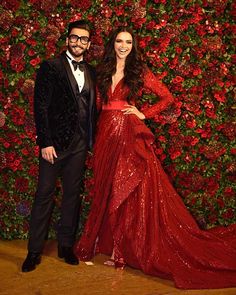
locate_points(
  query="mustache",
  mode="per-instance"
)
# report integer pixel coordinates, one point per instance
(77, 46)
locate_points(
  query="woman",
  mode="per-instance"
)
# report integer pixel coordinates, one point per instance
(136, 215)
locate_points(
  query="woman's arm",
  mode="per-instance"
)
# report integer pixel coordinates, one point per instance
(152, 83)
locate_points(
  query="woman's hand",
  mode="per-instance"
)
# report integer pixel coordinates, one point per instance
(133, 110)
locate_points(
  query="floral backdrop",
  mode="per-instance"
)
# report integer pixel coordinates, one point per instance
(187, 44)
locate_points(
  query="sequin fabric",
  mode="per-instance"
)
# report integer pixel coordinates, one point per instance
(138, 213)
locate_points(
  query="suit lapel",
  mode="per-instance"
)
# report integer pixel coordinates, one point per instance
(92, 104)
(90, 82)
(69, 74)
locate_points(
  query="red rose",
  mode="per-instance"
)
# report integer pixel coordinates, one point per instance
(89, 161)
(233, 151)
(174, 129)
(17, 51)
(190, 140)
(229, 214)
(163, 43)
(220, 97)
(21, 184)
(6, 145)
(165, 59)
(160, 1)
(11, 4)
(188, 158)
(25, 152)
(143, 42)
(197, 72)
(197, 182)
(174, 153)
(36, 151)
(31, 52)
(162, 157)
(18, 115)
(229, 192)
(33, 1)
(31, 42)
(151, 25)
(34, 62)
(17, 65)
(208, 104)
(14, 32)
(85, 4)
(16, 163)
(162, 138)
(13, 161)
(177, 79)
(33, 170)
(191, 124)
(119, 10)
(229, 130)
(211, 114)
(212, 218)
(158, 151)
(106, 11)
(221, 203)
(173, 64)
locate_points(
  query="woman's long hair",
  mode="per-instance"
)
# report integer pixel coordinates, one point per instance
(132, 72)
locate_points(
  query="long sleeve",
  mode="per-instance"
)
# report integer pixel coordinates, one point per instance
(44, 86)
(157, 87)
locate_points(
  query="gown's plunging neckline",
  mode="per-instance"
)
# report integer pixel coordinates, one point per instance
(113, 91)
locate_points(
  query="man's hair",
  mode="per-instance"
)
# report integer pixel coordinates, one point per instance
(79, 24)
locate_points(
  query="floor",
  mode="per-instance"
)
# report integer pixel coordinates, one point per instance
(53, 276)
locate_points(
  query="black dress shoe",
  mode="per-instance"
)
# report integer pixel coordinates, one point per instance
(68, 254)
(31, 261)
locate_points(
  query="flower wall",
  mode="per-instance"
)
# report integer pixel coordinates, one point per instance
(188, 44)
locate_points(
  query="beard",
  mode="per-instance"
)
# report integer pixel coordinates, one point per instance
(76, 51)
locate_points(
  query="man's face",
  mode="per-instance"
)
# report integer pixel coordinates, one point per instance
(77, 46)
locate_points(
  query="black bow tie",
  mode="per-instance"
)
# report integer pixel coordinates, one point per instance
(79, 64)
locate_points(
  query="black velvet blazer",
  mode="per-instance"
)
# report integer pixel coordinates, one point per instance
(55, 107)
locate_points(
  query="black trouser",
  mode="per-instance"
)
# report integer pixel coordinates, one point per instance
(70, 168)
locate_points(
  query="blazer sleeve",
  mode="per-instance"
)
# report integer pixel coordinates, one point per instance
(43, 91)
(152, 83)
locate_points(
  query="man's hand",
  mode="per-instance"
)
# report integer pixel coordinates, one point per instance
(48, 154)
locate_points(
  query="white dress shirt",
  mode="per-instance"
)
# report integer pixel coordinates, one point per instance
(78, 74)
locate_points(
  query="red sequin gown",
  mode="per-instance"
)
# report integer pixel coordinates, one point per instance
(137, 212)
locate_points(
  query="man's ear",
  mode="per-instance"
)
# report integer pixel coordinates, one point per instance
(67, 41)
(89, 45)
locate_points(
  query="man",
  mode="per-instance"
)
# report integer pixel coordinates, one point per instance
(64, 104)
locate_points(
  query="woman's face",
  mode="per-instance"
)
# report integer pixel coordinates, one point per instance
(123, 45)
